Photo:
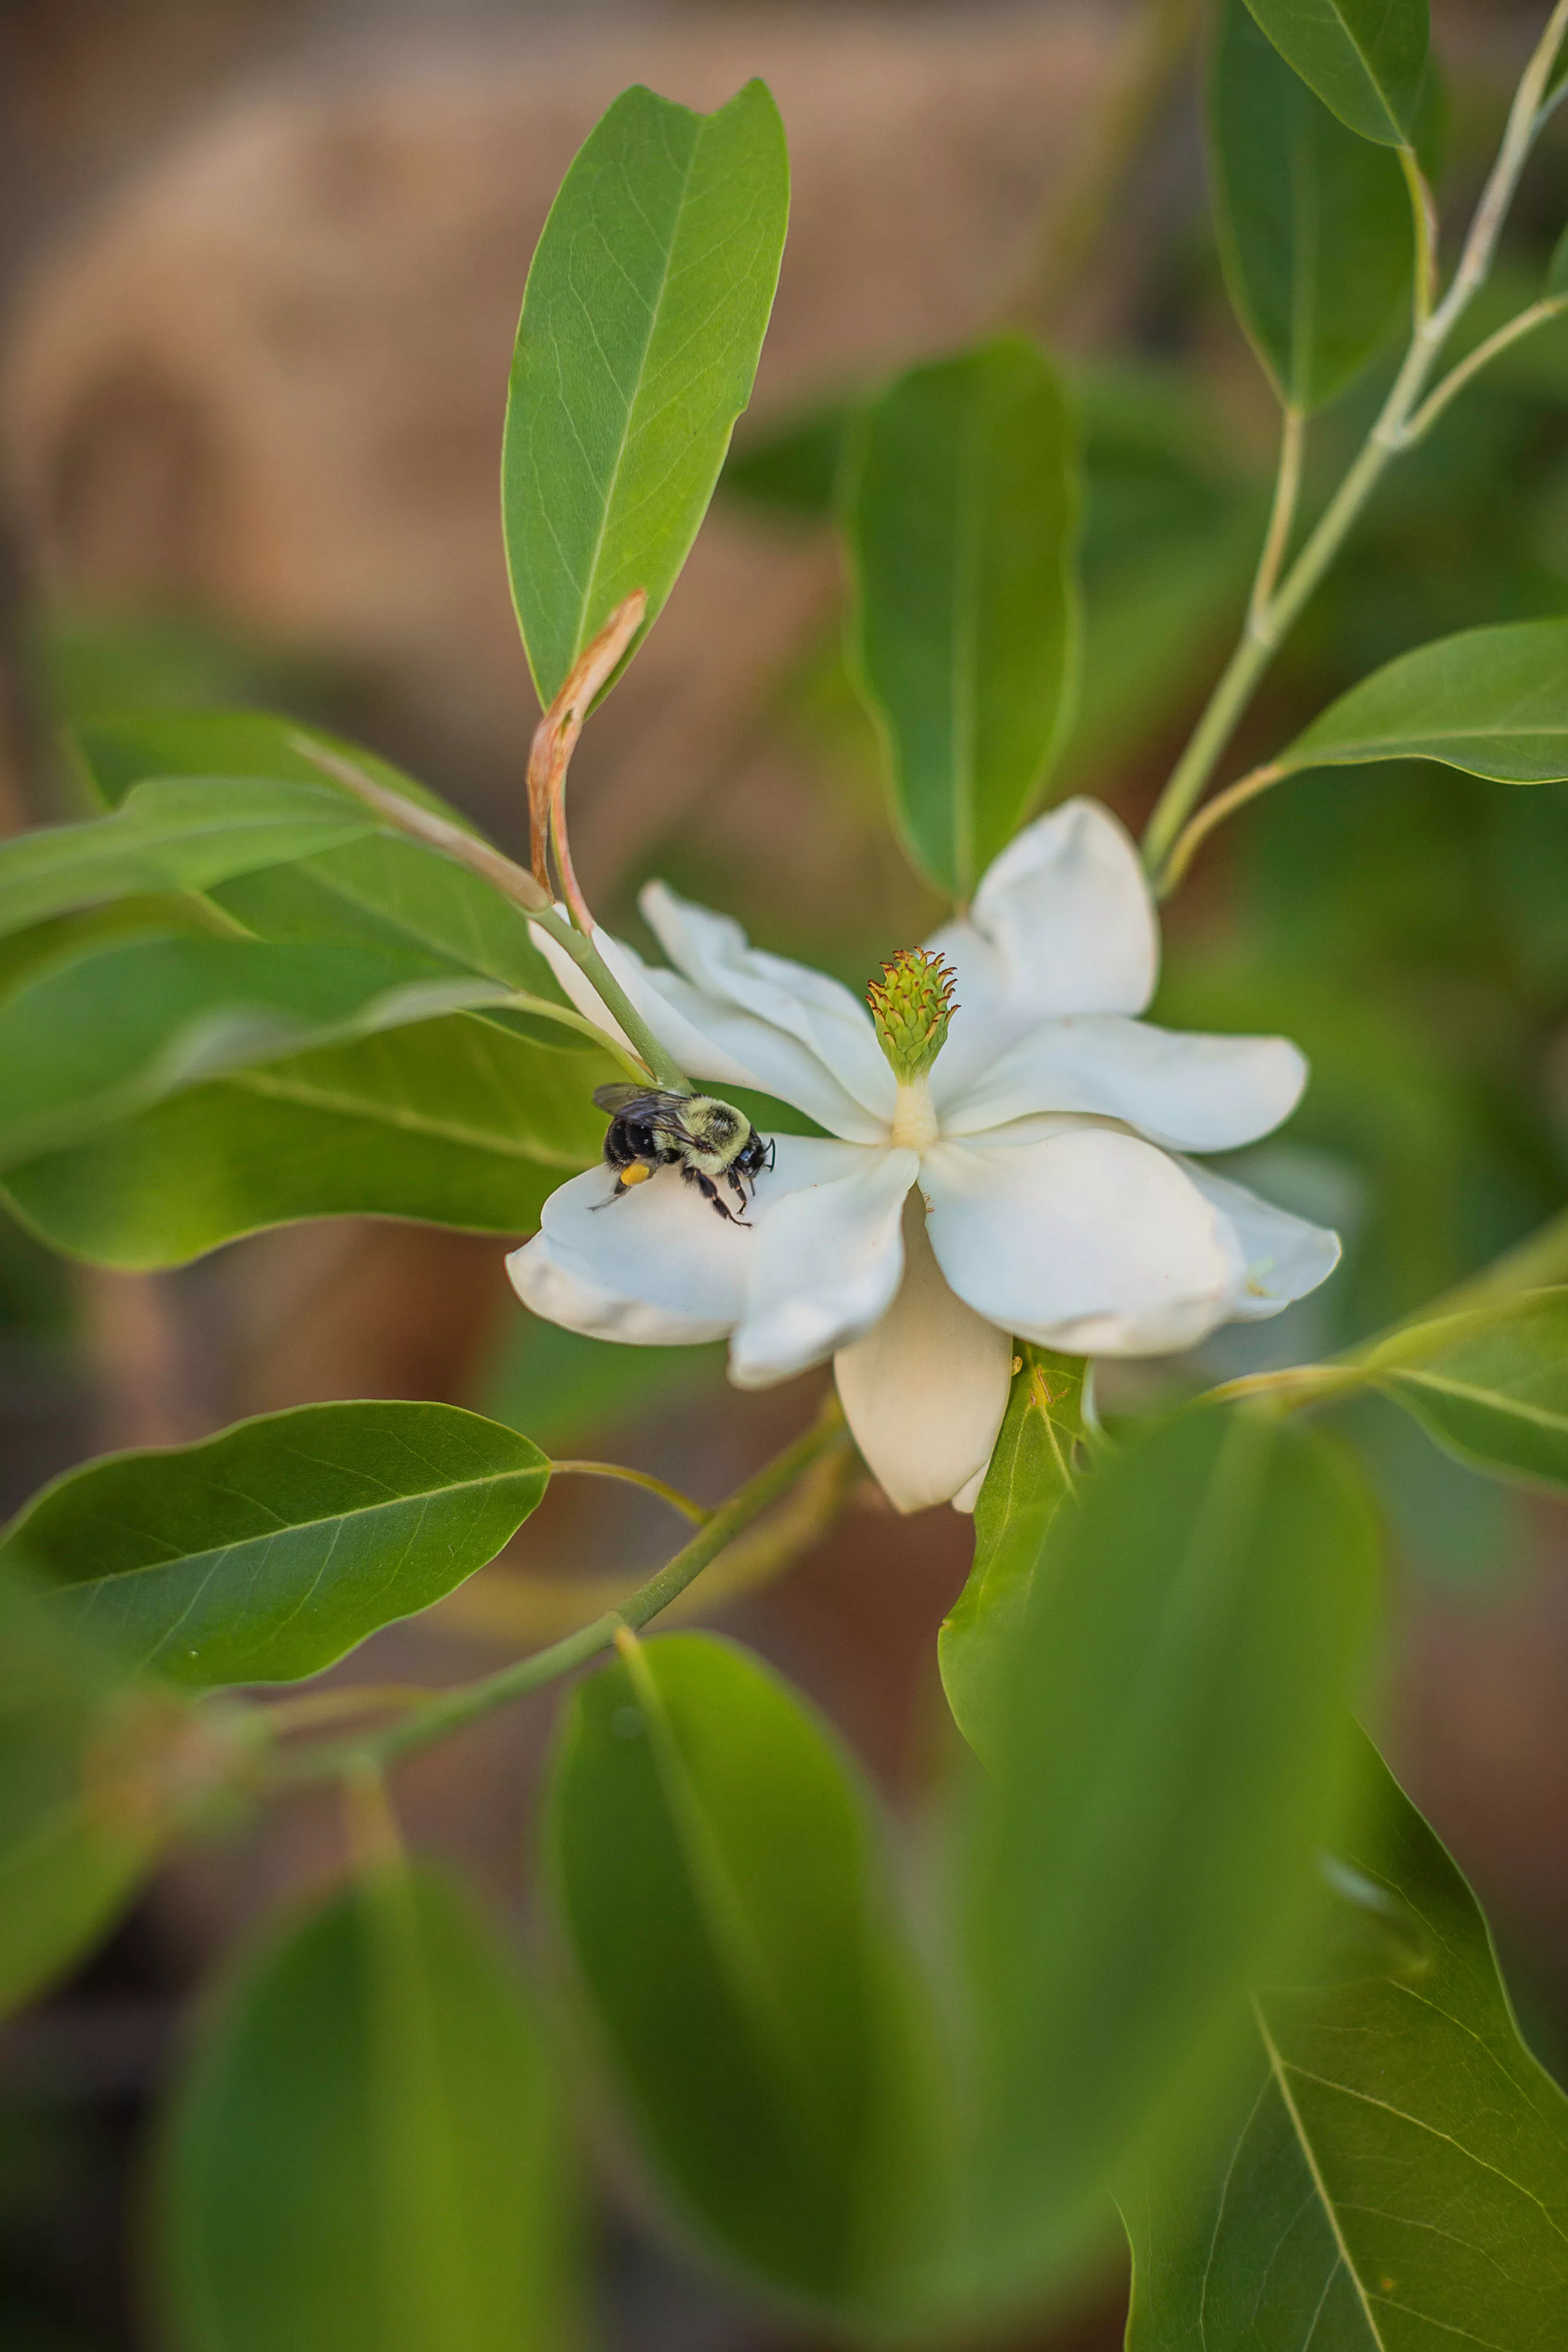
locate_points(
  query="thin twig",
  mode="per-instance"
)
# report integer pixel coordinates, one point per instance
(1212, 813)
(1282, 515)
(696, 1512)
(1513, 331)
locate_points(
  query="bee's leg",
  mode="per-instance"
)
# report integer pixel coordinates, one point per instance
(710, 1194)
(737, 1186)
(634, 1172)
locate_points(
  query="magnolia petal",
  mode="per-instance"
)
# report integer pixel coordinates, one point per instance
(1089, 1240)
(1285, 1256)
(924, 1392)
(1192, 1093)
(1062, 922)
(817, 1011)
(825, 1266)
(657, 1267)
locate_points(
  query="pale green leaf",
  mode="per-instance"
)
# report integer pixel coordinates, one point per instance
(1492, 1387)
(366, 2154)
(1314, 223)
(962, 516)
(1365, 59)
(717, 1880)
(646, 306)
(1399, 2177)
(265, 1553)
(1491, 701)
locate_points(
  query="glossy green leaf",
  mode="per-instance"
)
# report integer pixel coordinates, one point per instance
(1492, 1387)
(646, 306)
(366, 2154)
(962, 516)
(715, 1873)
(454, 1122)
(182, 834)
(1399, 2176)
(78, 1824)
(1034, 1467)
(1365, 59)
(1169, 1761)
(262, 1554)
(382, 890)
(1491, 701)
(109, 1034)
(1314, 223)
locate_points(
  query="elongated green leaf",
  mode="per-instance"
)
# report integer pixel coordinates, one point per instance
(1365, 59)
(1032, 1471)
(1491, 701)
(1169, 1761)
(178, 835)
(646, 306)
(265, 1553)
(715, 1870)
(1399, 2178)
(1314, 223)
(382, 890)
(454, 1123)
(1492, 1387)
(80, 1750)
(110, 1033)
(962, 516)
(366, 2155)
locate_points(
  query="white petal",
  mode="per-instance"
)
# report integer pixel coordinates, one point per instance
(826, 1264)
(924, 1392)
(1285, 1256)
(1090, 1241)
(657, 1267)
(1193, 1093)
(1062, 922)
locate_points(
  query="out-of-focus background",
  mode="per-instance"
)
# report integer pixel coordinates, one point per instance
(260, 265)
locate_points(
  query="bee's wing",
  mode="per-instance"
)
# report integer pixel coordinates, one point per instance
(650, 1105)
(618, 1099)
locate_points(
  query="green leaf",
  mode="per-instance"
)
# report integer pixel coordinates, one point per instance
(1492, 1387)
(962, 517)
(110, 1032)
(1314, 223)
(1491, 701)
(1032, 1471)
(1400, 2174)
(715, 1873)
(80, 1751)
(366, 2155)
(265, 1553)
(1557, 268)
(646, 306)
(382, 890)
(1365, 59)
(791, 469)
(1169, 1761)
(179, 834)
(454, 1122)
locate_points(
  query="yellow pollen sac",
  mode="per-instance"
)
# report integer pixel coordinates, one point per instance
(912, 1005)
(636, 1174)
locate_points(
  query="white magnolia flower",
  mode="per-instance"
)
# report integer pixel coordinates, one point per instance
(1021, 1171)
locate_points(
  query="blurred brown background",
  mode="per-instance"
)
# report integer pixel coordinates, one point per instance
(261, 262)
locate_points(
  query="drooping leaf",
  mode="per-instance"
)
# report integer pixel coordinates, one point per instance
(455, 1122)
(1169, 1760)
(262, 1554)
(79, 1824)
(382, 890)
(108, 1034)
(715, 1870)
(1399, 2177)
(1365, 59)
(646, 306)
(182, 833)
(366, 2155)
(1492, 1387)
(1314, 223)
(962, 515)
(1033, 1469)
(1491, 701)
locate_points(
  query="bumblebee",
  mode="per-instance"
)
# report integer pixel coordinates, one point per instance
(710, 1141)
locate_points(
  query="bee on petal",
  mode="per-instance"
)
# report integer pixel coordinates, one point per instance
(710, 1141)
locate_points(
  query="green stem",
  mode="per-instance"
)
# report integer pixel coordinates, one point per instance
(452, 1711)
(695, 1512)
(1539, 314)
(1267, 627)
